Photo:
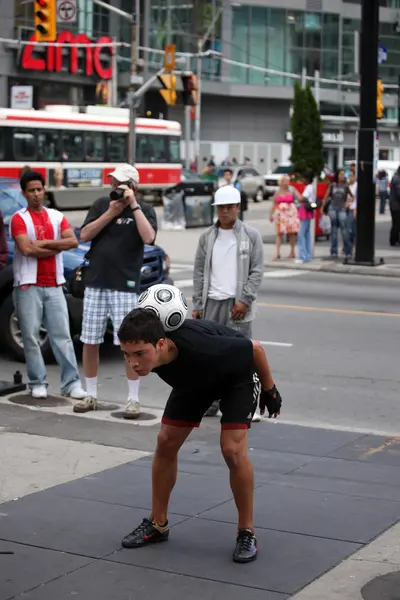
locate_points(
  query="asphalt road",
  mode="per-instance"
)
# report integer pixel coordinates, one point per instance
(331, 341)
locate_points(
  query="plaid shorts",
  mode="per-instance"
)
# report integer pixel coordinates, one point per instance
(99, 305)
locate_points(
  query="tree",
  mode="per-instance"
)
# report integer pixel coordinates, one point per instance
(306, 129)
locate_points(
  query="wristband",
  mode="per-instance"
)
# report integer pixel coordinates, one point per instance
(136, 208)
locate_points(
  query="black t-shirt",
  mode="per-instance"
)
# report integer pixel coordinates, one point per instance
(210, 356)
(116, 253)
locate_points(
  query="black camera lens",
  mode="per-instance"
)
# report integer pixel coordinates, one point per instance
(117, 194)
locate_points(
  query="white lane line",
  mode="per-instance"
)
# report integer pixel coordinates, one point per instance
(183, 283)
(282, 273)
(181, 266)
(280, 344)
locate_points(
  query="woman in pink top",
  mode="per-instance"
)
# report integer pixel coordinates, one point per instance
(287, 220)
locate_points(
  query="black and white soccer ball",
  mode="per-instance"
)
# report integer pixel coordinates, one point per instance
(168, 302)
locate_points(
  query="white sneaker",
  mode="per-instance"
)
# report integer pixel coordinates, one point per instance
(85, 405)
(132, 409)
(39, 392)
(77, 393)
(256, 417)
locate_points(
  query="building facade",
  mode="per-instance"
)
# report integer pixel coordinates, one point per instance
(247, 89)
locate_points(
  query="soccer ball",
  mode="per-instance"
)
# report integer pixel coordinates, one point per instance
(168, 302)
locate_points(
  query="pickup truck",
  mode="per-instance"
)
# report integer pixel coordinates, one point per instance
(155, 269)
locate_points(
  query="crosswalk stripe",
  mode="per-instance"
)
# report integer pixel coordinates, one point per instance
(282, 273)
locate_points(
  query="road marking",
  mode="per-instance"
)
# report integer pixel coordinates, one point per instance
(183, 283)
(339, 311)
(283, 273)
(181, 266)
(281, 344)
(382, 447)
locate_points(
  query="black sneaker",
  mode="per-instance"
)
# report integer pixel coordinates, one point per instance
(145, 534)
(246, 547)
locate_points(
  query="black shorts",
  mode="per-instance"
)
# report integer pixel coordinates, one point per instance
(238, 403)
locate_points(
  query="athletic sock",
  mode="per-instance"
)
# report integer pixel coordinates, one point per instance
(133, 389)
(91, 386)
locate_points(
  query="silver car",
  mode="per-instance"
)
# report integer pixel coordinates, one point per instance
(251, 182)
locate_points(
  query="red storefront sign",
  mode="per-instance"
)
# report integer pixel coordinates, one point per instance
(52, 62)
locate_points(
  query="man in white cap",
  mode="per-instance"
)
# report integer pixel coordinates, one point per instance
(117, 227)
(228, 269)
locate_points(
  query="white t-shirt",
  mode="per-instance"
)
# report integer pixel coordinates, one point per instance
(353, 189)
(308, 193)
(223, 281)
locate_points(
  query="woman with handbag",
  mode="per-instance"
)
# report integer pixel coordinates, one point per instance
(306, 214)
(286, 216)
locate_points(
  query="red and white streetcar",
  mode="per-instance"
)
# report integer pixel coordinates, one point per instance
(75, 147)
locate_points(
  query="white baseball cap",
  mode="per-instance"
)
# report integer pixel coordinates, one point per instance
(226, 194)
(124, 173)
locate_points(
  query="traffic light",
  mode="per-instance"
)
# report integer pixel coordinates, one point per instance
(189, 94)
(45, 20)
(380, 109)
(168, 90)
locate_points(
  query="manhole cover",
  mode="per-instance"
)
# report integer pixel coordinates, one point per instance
(386, 587)
(143, 416)
(50, 401)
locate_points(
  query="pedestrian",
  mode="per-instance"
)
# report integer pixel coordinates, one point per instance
(306, 214)
(394, 204)
(228, 270)
(334, 203)
(383, 182)
(352, 211)
(118, 230)
(228, 180)
(41, 234)
(284, 212)
(201, 361)
(3, 244)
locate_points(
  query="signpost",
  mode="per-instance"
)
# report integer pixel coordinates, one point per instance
(67, 11)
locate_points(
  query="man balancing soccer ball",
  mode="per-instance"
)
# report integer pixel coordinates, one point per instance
(202, 361)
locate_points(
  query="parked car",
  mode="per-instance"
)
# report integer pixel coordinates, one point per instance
(251, 181)
(155, 269)
(272, 179)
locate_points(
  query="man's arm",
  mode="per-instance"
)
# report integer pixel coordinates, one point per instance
(256, 271)
(262, 367)
(97, 218)
(32, 248)
(67, 242)
(198, 278)
(146, 222)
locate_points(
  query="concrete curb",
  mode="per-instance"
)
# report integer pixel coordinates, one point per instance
(345, 581)
(340, 269)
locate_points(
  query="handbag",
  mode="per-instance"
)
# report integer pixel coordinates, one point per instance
(77, 281)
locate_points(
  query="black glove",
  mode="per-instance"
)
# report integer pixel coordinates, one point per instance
(271, 400)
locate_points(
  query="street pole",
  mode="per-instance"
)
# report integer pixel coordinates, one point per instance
(365, 239)
(197, 121)
(133, 102)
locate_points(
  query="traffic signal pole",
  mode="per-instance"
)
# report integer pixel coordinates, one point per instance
(365, 239)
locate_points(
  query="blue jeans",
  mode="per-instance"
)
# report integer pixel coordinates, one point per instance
(304, 241)
(338, 217)
(35, 305)
(351, 228)
(382, 204)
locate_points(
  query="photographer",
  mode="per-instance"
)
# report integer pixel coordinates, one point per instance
(118, 227)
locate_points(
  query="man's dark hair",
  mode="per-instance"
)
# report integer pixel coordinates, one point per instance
(308, 176)
(141, 325)
(228, 170)
(30, 176)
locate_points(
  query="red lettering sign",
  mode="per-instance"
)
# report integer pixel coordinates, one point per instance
(54, 58)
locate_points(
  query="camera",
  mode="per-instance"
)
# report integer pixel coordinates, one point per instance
(117, 194)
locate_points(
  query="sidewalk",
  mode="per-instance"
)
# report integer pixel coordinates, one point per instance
(321, 497)
(181, 247)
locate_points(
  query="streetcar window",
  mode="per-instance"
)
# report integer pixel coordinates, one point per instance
(174, 150)
(94, 146)
(72, 146)
(48, 145)
(152, 148)
(2, 144)
(117, 147)
(24, 144)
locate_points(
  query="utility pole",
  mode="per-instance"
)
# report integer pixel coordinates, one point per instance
(135, 82)
(365, 239)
